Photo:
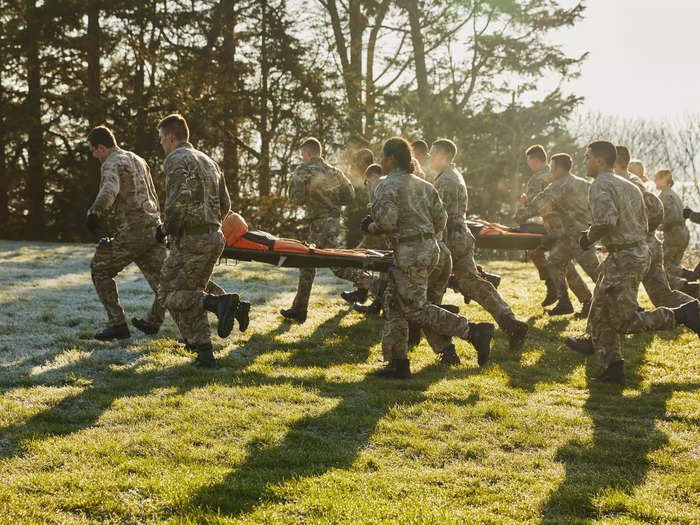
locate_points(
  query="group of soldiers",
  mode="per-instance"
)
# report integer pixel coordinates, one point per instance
(417, 203)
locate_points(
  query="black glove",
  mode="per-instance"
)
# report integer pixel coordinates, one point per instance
(160, 234)
(583, 241)
(92, 222)
(687, 212)
(364, 225)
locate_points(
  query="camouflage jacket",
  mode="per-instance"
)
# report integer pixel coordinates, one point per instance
(126, 183)
(195, 190)
(537, 182)
(617, 204)
(673, 209)
(321, 189)
(406, 205)
(567, 197)
(632, 178)
(453, 192)
(655, 208)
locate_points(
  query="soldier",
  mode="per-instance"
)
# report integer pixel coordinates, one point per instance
(322, 190)
(460, 241)
(619, 220)
(676, 234)
(126, 185)
(567, 196)
(356, 210)
(196, 199)
(409, 211)
(422, 169)
(636, 167)
(621, 167)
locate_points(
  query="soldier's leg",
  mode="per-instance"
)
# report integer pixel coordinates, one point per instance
(658, 288)
(558, 267)
(306, 281)
(151, 263)
(214, 289)
(437, 285)
(361, 278)
(655, 320)
(673, 259)
(577, 284)
(589, 262)
(395, 329)
(537, 256)
(108, 261)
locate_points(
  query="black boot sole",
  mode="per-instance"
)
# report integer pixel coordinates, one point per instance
(226, 322)
(243, 315)
(144, 327)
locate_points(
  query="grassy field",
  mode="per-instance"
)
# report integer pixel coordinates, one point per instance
(293, 427)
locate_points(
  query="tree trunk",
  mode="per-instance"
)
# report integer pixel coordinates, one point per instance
(264, 162)
(35, 147)
(424, 95)
(4, 182)
(230, 123)
(94, 105)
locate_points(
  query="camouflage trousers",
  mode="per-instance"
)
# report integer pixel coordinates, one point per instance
(416, 263)
(614, 308)
(573, 278)
(185, 277)
(656, 282)
(326, 233)
(470, 283)
(675, 243)
(137, 245)
(562, 271)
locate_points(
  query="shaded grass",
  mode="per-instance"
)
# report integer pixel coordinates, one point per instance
(293, 428)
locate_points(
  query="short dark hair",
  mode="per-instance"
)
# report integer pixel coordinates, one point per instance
(373, 169)
(604, 149)
(622, 156)
(446, 146)
(363, 158)
(101, 135)
(313, 145)
(537, 151)
(420, 145)
(175, 125)
(563, 160)
(400, 149)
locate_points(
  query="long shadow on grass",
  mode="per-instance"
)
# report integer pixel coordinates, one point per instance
(316, 444)
(100, 386)
(624, 436)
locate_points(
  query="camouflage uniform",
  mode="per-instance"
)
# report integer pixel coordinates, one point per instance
(126, 183)
(195, 200)
(322, 190)
(460, 241)
(617, 204)
(676, 235)
(409, 211)
(538, 182)
(567, 197)
(369, 241)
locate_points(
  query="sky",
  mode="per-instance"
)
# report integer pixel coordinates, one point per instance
(644, 57)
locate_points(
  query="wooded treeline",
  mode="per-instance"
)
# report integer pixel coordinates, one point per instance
(255, 77)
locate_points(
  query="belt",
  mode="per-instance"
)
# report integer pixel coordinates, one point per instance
(199, 229)
(417, 237)
(612, 248)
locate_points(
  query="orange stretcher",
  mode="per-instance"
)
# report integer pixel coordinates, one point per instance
(244, 244)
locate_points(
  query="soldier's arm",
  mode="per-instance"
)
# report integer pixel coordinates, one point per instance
(109, 189)
(604, 212)
(177, 195)
(347, 191)
(438, 212)
(695, 217)
(385, 213)
(297, 187)
(224, 197)
(538, 204)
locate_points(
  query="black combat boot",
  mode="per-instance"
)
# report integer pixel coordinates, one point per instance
(563, 307)
(452, 283)
(552, 295)
(688, 315)
(374, 308)
(583, 345)
(387, 371)
(145, 326)
(449, 356)
(452, 308)
(696, 272)
(494, 279)
(294, 315)
(355, 296)
(480, 335)
(224, 306)
(243, 315)
(414, 334)
(585, 308)
(691, 288)
(615, 373)
(688, 275)
(120, 331)
(205, 356)
(516, 331)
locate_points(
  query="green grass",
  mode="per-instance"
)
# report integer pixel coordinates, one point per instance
(293, 428)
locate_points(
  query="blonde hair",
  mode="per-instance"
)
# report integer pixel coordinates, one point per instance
(637, 167)
(666, 174)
